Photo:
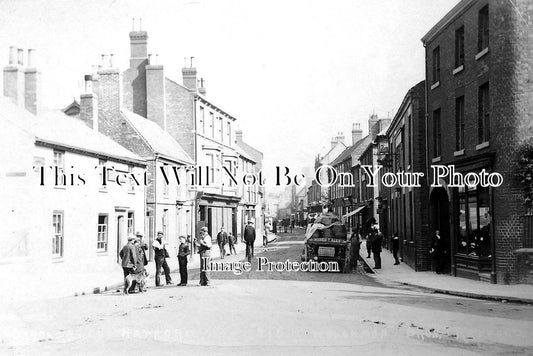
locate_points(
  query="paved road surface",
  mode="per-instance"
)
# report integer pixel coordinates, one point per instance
(269, 313)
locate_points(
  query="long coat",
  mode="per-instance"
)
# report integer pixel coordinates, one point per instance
(128, 254)
(249, 233)
(222, 238)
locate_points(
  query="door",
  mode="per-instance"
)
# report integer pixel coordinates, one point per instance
(120, 235)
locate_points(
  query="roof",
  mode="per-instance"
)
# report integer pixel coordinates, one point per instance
(55, 128)
(347, 153)
(159, 140)
(257, 156)
(243, 153)
(418, 87)
(458, 10)
(363, 146)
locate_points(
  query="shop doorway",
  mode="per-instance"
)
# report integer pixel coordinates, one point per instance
(440, 220)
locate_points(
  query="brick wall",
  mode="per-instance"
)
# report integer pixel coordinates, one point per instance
(507, 68)
(511, 64)
(180, 107)
(155, 90)
(134, 80)
(110, 120)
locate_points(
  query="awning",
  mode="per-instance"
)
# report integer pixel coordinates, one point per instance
(353, 212)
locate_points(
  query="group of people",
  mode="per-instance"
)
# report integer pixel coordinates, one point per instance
(375, 240)
(223, 239)
(133, 256)
(134, 260)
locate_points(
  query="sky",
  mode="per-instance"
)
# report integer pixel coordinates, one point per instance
(293, 73)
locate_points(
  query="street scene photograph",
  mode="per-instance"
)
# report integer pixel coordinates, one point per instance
(266, 177)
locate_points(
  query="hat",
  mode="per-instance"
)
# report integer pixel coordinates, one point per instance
(250, 221)
(138, 233)
(203, 229)
(131, 238)
(160, 233)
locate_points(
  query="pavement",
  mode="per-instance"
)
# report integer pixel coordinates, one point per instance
(443, 283)
(268, 313)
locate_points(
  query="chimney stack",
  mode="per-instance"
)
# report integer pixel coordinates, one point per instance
(189, 77)
(357, 133)
(201, 89)
(89, 105)
(14, 76)
(156, 97)
(340, 137)
(134, 79)
(138, 45)
(32, 85)
(238, 135)
(109, 89)
(373, 129)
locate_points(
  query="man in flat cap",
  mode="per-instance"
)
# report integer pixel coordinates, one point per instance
(128, 255)
(204, 249)
(160, 259)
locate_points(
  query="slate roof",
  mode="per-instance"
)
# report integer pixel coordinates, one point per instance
(159, 140)
(56, 128)
(347, 153)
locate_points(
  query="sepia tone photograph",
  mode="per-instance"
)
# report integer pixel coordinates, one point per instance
(266, 177)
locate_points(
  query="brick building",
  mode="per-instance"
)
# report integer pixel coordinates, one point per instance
(346, 200)
(204, 130)
(406, 208)
(252, 205)
(479, 114)
(168, 204)
(370, 195)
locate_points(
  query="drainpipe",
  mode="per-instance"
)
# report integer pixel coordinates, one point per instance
(155, 202)
(493, 276)
(195, 203)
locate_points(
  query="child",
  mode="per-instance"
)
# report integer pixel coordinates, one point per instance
(183, 252)
(232, 241)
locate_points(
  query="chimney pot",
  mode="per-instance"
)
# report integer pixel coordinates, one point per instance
(31, 58)
(13, 55)
(20, 56)
(88, 84)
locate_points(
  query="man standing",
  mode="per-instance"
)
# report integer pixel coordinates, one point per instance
(183, 252)
(204, 249)
(395, 247)
(232, 240)
(128, 255)
(222, 239)
(249, 238)
(438, 252)
(160, 259)
(369, 242)
(377, 241)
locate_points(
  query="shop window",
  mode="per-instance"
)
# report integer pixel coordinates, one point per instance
(474, 222)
